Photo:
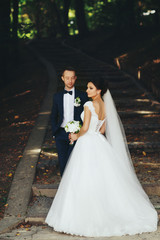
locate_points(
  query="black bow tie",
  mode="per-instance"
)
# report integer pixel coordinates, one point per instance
(70, 92)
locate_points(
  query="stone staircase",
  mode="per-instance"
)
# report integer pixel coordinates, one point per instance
(138, 111)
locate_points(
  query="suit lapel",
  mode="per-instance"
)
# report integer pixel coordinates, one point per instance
(76, 93)
(75, 109)
(61, 104)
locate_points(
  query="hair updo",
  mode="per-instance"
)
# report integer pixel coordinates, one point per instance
(100, 83)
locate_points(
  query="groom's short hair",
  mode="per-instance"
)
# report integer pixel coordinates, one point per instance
(68, 68)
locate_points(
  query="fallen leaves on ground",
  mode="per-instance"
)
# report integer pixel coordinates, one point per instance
(19, 111)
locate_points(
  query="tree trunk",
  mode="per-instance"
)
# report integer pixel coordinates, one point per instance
(119, 14)
(139, 13)
(37, 18)
(80, 16)
(156, 17)
(66, 18)
(125, 14)
(130, 10)
(15, 49)
(4, 21)
(4, 38)
(56, 21)
(15, 18)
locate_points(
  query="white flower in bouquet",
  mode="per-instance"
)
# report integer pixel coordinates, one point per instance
(73, 127)
(77, 102)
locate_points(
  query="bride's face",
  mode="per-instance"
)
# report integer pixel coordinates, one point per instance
(92, 91)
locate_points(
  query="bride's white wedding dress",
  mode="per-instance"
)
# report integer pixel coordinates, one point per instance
(98, 194)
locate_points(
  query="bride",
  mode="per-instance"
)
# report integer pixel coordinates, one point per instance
(99, 194)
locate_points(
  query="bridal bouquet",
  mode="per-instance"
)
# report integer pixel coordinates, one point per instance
(73, 127)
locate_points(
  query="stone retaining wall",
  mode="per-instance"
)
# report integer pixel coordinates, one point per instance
(148, 74)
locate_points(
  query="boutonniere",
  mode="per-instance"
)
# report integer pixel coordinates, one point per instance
(77, 102)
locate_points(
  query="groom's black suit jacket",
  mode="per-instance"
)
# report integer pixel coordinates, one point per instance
(57, 109)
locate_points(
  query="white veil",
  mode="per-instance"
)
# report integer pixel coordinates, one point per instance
(115, 132)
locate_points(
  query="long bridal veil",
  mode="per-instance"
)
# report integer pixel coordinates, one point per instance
(115, 132)
(115, 135)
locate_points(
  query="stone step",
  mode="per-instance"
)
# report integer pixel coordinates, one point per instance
(85, 71)
(49, 190)
(83, 64)
(135, 102)
(141, 109)
(140, 100)
(144, 145)
(137, 127)
(142, 119)
(143, 134)
(137, 113)
(132, 145)
(48, 161)
(112, 78)
(38, 209)
(107, 72)
(132, 100)
(138, 109)
(122, 85)
(137, 152)
(113, 87)
(120, 94)
(41, 220)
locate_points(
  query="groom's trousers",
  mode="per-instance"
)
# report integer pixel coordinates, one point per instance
(63, 148)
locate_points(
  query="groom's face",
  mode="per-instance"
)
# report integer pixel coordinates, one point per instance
(69, 78)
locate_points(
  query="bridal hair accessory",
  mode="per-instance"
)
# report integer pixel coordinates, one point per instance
(77, 102)
(115, 133)
(73, 127)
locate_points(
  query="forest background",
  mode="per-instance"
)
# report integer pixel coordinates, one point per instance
(122, 32)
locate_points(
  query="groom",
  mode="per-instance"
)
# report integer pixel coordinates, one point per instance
(64, 110)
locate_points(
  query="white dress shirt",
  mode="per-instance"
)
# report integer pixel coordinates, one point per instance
(68, 107)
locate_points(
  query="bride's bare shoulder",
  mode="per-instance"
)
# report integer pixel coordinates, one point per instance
(99, 105)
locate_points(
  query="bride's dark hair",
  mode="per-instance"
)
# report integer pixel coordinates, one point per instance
(100, 83)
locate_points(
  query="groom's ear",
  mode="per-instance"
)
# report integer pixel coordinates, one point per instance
(62, 78)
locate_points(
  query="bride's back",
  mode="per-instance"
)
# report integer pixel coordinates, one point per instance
(99, 109)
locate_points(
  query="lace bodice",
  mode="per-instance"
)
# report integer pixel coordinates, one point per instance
(95, 123)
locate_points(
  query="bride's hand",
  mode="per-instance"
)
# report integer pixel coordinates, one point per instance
(73, 136)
